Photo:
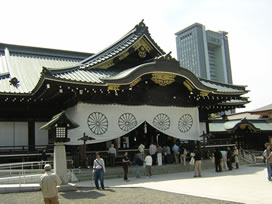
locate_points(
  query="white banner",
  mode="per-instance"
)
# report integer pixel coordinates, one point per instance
(107, 122)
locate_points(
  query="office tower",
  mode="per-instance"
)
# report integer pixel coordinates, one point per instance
(205, 53)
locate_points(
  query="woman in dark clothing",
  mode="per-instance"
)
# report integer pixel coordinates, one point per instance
(229, 159)
(197, 164)
(43, 155)
(217, 159)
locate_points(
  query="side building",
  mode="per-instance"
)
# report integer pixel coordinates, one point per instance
(205, 53)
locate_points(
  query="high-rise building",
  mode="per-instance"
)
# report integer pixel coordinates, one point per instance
(205, 53)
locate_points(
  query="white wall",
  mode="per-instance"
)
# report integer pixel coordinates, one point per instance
(13, 133)
(21, 133)
(6, 134)
(41, 136)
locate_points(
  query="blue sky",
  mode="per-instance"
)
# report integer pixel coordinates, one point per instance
(90, 26)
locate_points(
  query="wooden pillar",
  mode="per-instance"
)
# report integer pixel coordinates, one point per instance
(82, 155)
(31, 135)
(207, 126)
(115, 142)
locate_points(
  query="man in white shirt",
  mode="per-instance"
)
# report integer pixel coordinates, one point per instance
(48, 183)
(148, 165)
(112, 155)
(152, 152)
(99, 170)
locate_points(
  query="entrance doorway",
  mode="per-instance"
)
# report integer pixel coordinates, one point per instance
(145, 134)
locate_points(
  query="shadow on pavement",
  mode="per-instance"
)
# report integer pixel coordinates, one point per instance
(85, 193)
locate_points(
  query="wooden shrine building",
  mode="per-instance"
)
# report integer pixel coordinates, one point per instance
(131, 90)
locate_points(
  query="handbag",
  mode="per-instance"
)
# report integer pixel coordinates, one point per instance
(192, 161)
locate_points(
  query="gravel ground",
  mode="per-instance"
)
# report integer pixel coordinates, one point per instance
(110, 195)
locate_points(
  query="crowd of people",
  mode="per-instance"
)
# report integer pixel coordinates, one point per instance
(224, 160)
(154, 155)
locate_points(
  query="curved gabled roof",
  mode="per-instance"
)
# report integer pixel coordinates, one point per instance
(124, 44)
(164, 64)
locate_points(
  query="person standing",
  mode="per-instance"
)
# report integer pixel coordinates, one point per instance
(152, 152)
(169, 156)
(112, 155)
(148, 165)
(224, 160)
(159, 155)
(183, 155)
(229, 159)
(217, 160)
(43, 156)
(98, 171)
(236, 156)
(197, 164)
(141, 149)
(48, 183)
(125, 162)
(268, 157)
(139, 164)
(175, 150)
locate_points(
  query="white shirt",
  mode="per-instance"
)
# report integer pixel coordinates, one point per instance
(148, 160)
(141, 148)
(48, 184)
(152, 149)
(112, 150)
(99, 164)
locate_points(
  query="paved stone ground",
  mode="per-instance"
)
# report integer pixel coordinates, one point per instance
(111, 196)
(248, 184)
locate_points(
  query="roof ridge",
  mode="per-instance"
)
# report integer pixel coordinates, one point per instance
(23, 49)
(138, 31)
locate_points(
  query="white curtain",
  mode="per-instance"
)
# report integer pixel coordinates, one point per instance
(107, 122)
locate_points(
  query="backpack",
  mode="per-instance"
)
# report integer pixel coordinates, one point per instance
(139, 162)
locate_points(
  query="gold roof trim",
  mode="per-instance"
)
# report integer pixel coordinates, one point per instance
(163, 79)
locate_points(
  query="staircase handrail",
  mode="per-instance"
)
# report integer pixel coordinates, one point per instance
(247, 156)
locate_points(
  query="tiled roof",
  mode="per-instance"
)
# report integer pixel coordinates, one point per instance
(236, 101)
(27, 69)
(89, 76)
(221, 126)
(223, 88)
(262, 109)
(121, 45)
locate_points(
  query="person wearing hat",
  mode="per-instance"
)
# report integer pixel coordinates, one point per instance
(268, 157)
(48, 183)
